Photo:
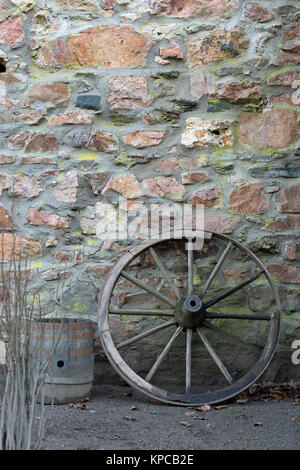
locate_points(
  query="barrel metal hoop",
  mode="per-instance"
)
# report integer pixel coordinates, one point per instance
(68, 380)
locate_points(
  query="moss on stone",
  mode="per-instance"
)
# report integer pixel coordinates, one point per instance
(123, 159)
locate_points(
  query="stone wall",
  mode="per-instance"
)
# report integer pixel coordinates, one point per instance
(157, 100)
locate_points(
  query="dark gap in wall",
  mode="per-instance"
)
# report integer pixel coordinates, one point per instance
(2, 67)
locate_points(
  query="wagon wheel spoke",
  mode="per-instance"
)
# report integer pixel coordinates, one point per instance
(188, 361)
(127, 311)
(145, 334)
(164, 271)
(232, 337)
(216, 269)
(149, 289)
(237, 316)
(215, 357)
(234, 289)
(163, 354)
(190, 267)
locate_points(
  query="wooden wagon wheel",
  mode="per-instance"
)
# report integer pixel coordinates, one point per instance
(193, 311)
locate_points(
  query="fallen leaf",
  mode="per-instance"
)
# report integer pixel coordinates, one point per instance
(185, 423)
(294, 418)
(190, 413)
(204, 408)
(272, 391)
(258, 423)
(220, 407)
(129, 418)
(78, 406)
(133, 408)
(201, 418)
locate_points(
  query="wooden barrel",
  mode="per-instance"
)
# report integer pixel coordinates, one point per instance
(67, 344)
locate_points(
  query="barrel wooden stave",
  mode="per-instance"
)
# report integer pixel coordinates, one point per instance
(71, 373)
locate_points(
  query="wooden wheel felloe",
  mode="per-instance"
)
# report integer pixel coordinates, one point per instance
(198, 325)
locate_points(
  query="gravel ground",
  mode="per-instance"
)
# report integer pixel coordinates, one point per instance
(118, 418)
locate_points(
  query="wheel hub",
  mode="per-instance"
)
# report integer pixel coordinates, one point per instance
(190, 312)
